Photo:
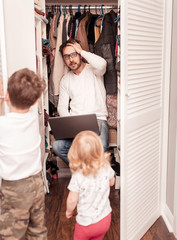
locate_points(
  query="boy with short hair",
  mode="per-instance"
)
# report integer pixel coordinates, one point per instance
(22, 190)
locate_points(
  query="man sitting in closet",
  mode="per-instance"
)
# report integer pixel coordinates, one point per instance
(82, 89)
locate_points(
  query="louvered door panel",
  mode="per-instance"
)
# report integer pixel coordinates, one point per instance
(143, 175)
(142, 41)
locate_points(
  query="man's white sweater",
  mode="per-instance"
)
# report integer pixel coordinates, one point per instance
(86, 90)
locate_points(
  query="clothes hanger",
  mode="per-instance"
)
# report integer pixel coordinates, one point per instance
(117, 19)
(100, 16)
(70, 10)
(96, 9)
(59, 9)
(85, 8)
(79, 8)
(64, 11)
(102, 13)
(118, 16)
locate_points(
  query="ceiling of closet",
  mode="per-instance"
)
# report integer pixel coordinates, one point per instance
(86, 2)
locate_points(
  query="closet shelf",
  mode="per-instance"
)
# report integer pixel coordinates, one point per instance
(85, 7)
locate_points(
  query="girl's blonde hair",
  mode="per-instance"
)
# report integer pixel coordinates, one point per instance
(87, 154)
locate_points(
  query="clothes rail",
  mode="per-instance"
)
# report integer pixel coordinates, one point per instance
(80, 7)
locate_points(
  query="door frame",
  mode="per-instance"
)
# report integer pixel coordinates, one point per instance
(165, 212)
(169, 217)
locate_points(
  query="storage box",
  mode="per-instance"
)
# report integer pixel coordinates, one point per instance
(112, 137)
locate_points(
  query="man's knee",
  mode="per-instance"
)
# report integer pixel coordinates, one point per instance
(55, 146)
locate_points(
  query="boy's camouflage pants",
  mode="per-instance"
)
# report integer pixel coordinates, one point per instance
(22, 204)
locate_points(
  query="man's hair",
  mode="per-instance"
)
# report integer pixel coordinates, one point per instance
(67, 43)
(86, 154)
(24, 88)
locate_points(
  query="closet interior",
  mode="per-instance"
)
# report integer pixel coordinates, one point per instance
(55, 23)
(144, 91)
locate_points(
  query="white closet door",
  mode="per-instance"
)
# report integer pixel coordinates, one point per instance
(0, 62)
(2, 41)
(3, 65)
(142, 45)
(1, 7)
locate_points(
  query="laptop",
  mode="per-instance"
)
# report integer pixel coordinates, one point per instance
(69, 126)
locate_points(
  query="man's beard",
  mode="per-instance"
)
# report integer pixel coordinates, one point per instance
(74, 66)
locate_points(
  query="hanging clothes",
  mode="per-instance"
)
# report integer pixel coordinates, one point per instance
(97, 28)
(73, 25)
(82, 34)
(59, 66)
(91, 31)
(52, 38)
(105, 47)
(100, 40)
(56, 22)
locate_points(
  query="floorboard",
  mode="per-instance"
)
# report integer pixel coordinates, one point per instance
(61, 228)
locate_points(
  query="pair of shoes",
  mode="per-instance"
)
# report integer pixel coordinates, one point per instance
(53, 167)
(116, 168)
(119, 194)
(49, 178)
(115, 165)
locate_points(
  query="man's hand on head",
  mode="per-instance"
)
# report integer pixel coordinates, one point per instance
(77, 47)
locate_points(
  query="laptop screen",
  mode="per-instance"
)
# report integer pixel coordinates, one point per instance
(70, 126)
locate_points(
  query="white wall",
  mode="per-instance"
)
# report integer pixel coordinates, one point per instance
(19, 34)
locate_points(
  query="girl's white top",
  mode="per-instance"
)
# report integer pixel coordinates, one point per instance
(94, 203)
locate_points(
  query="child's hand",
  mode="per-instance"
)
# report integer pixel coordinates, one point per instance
(69, 214)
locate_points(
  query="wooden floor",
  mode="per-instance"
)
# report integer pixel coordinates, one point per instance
(61, 228)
